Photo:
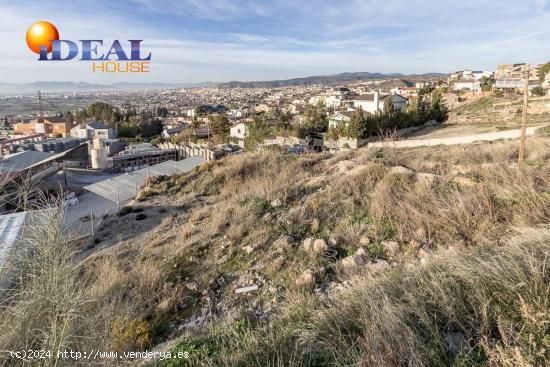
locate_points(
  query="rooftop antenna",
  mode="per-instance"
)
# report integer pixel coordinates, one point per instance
(40, 99)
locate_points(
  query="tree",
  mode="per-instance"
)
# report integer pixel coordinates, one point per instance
(257, 132)
(486, 84)
(316, 119)
(162, 112)
(69, 116)
(220, 126)
(438, 109)
(498, 93)
(101, 111)
(284, 120)
(356, 127)
(389, 108)
(543, 70)
(425, 90)
(195, 123)
(150, 128)
(537, 91)
(155, 141)
(127, 130)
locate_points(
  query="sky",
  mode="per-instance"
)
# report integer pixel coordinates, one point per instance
(195, 41)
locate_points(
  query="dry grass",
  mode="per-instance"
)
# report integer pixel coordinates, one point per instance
(496, 299)
(143, 288)
(44, 309)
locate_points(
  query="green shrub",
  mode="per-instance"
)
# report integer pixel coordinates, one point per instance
(125, 210)
(258, 206)
(130, 334)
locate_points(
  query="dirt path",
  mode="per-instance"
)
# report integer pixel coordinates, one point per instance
(454, 140)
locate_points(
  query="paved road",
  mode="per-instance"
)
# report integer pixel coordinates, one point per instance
(455, 140)
(124, 187)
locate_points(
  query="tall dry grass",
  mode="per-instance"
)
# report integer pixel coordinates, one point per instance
(43, 309)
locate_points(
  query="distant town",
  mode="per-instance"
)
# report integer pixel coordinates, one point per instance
(115, 132)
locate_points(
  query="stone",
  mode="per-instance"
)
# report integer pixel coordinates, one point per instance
(320, 246)
(457, 344)
(308, 244)
(401, 170)
(465, 181)
(414, 244)
(307, 279)
(364, 240)
(420, 233)
(361, 252)
(248, 289)
(250, 248)
(276, 203)
(426, 178)
(391, 247)
(353, 261)
(192, 286)
(378, 266)
(423, 255)
(333, 241)
(283, 243)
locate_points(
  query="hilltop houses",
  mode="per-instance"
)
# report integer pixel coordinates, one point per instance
(53, 125)
(374, 102)
(92, 130)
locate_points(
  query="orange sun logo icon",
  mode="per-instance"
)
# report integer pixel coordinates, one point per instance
(41, 34)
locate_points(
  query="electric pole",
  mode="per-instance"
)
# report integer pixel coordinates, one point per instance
(41, 118)
(523, 117)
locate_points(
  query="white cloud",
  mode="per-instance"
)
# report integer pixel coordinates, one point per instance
(303, 39)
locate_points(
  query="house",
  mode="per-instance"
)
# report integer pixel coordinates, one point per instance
(206, 109)
(511, 77)
(44, 125)
(374, 102)
(91, 130)
(167, 133)
(340, 119)
(473, 85)
(404, 91)
(480, 74)
(238, 133)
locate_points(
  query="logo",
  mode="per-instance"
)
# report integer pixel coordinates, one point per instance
(120, 57)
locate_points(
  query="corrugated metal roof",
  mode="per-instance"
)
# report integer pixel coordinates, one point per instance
(22, 160)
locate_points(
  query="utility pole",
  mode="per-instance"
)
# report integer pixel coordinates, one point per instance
(65, 172)
(523, 117)
(209, 133)
(41, 118)
(92, 221)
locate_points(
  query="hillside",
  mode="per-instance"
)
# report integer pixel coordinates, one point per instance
(425, 256)
(329, 80)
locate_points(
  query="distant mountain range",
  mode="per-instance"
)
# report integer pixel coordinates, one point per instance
(83, 86)
(328, 79)
(320, 79)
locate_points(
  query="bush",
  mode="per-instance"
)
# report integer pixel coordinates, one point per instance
(130, 335)
(538, 91)
(258, 206)
(125, 211)
(497, 93)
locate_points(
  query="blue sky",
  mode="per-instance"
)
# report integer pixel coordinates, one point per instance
(222, 40)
